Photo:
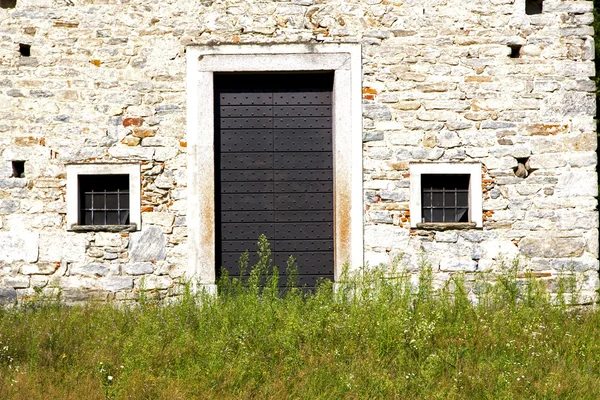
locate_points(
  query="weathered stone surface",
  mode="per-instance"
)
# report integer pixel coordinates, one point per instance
(17, 282)
(9, 206)
(39, 268)
(105, 239)
(59, 246)
(141, 268)
(446, 237)
(552, 247)
(8, 295)
(158, 218)
(90, 269)
(148, 245)
(117, 283)
(10, 183)
(577, 183)
(430, 92)
(452, 265)
(154, 282)
(19, 246)
(582, 264)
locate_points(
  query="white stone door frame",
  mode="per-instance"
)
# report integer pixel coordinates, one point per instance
(202, 62)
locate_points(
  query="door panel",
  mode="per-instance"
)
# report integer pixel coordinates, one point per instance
(273, 138)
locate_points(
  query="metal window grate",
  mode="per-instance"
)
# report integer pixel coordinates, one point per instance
(104, 199)
(445, 198)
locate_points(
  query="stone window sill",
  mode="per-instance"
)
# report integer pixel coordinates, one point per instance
(446, 226)
(104, 228)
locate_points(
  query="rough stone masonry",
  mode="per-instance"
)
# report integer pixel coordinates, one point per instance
(447, 81)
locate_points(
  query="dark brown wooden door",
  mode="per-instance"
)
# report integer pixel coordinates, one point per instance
(274, 163)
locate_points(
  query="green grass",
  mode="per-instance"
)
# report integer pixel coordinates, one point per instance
(377, 335)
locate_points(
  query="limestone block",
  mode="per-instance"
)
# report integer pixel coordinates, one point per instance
(455, 154)
(153, 282)
(166, 153)
(472, 236)
(8, 295)
(107, 239)
(552, 247)
(547, 161)
(164, 182)
(386, 236)
(383, 217)
(38, 281)
(394, 195)
(583, 264)
(90, 269)
(136, 153)
(497, 125)
(368, 136)
(177, 268)
(10, 183)
(59, 246)
(163, 109)
(19, 246)
(39, 268)
(571, 219)
(499, 249)
(157, 142)
(582, 159)
(17, 282)
(379, 153)
(455, 265)
(592, 238)
(74, 282)
(577, 183)
(448, 139)
(9, 206)
(435, 252)
(117, 283)
(180, 207)
(148, 245)
(477, 252)
(446, 237)
(499, 162)
(141, 268)
(427, 154)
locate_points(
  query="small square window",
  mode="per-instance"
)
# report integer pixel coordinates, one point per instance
(445, 198)
(18, 169)
(8, 3)
(103, 200)
(446, 194)
(102, 196)
(533, 7)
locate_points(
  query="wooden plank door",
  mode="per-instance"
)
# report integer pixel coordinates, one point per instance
(274, 163)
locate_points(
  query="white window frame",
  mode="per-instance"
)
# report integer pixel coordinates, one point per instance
(344, 60)
(475, 190)
(73, 172)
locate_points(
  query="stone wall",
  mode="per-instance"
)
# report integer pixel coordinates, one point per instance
(105, 82)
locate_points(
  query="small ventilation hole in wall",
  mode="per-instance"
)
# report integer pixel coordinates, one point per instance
(18, 169)
(515, 50)
(25, 49)
(533, 7)
(8, 3)
(523, 169)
